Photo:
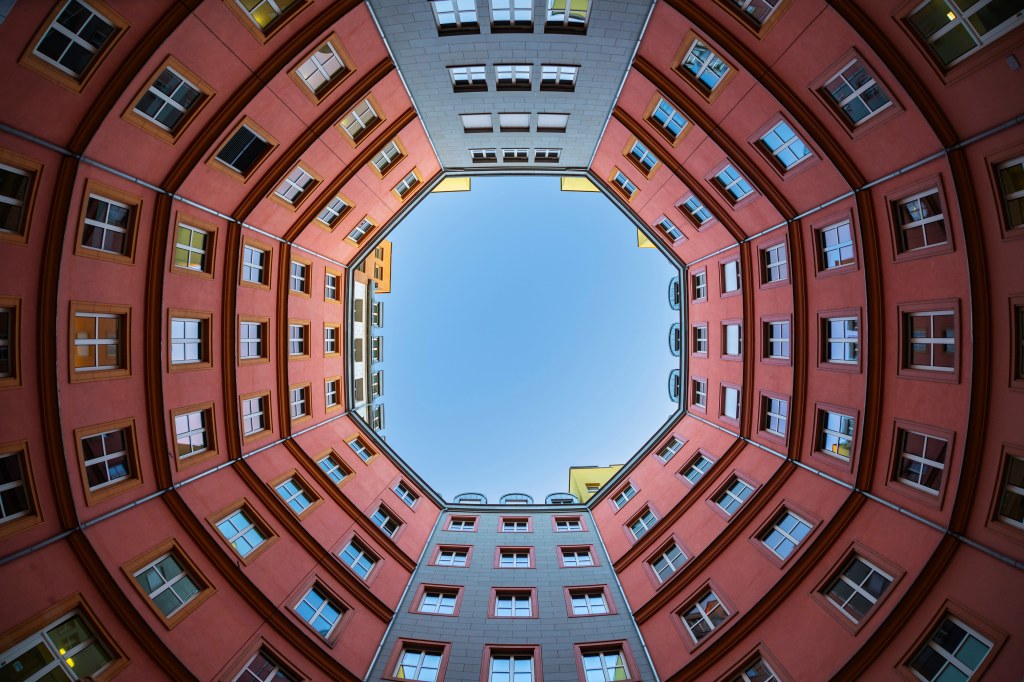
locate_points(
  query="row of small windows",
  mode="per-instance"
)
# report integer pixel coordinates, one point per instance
(515, 155)
(516, 524)
(473, 78)
(515, 557)
(446, 600)
(460, 16)
(515, 122)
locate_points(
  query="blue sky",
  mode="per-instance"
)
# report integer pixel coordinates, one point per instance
(525, 333)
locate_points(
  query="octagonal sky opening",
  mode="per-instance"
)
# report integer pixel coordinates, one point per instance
(525, 333)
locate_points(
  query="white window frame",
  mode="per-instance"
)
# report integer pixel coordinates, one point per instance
(735, 493)
(6, 496)
(388, 524)
(669, 450)
(438, 601)
(513, 75)
(577, 557)
(697, 210)
(253, 417)
(670, 561)
(700, 60)
(913, 209)
(75, 39)
(558, 76)
(732, 182)
(842, 243)
(776, 342)
(959, 18)
(775, 263)
(775, 415)
(950, 656)
(165, 585)
(98, 343)
(569, 19)
(319, 609)
(828, 434)
(642, 524)
(931, 341)
(254, 264)
(294, 186)
(856, 94)
(299, 276)
(730, 402)
(703, 615)
(593, 603)
(549, 155)
(857, 589)
(333, 469)
(240, 531)
(923, 464)
(360, 230)
(298, 402)
(463, 15)
(250, 347)
(513, 605)
(111, 462)
(362, 452)
(643, 156)
(850, 344)
(782, 142)
(104, 226)
(624, 496)
(316, 67)
(512, 13)
(700, 339)
(624, 184)
(169, 101)
(514, 558)
(334, 209)
(452, 557)
(698, 467)
(787, 527)
(358, 558)
(407, 184)
(360, 119)
(194, 433)
(387, 157)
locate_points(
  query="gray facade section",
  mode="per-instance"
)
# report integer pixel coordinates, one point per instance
(472, 628)
(603, 54)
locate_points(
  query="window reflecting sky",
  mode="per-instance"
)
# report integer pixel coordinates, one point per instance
(525, 333)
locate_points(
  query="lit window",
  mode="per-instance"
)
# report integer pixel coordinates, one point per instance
(700, 339)
(360, 120)
(669, 450)
(774, 415)
(192, 433)
(241, 532)
(76, 38)
(254, 415)
(452, 557)
(243, 150)
(668, 562)
(840, 340)
(854, 92)
(931, 340)
(699, 393)
(250, 340)
(514, 558)
(835, 246)
(730, 276)
(547, 155)
(667, 120)
(733, 345)
(294, 494)
(703, 67)
(696, 211)
(552, 123)
(835, 434)
(320, 611)
(437, 601)
(15, 190)
(514, 122)
(484, 155)
(511, 667)
(577, 557)
(921, 460)
(1011, 503)
(1011, 186)
(512, 13)
(643, 523)
(706, 614)
(776, 342)
(265, 12)
(475, 123)
(513, 605)
(168, 584)
(332, 392)
(405, 494)
(98, 341)
(624, 496)
(254, 265)
(731, 182)
(263, 667)
(857, 588)
(387, 157)
(952, 33)
(334, 210)
(588, 603)
(774, 267)
(733, 496)
(567, 15)
(108, 226)
(786, 532)
(167, 101)
(785, 146)
(334, 470)
(756, 12)
(298, 339)
(697, 469)
(322, 67)
(515, 155)
(730, 402)
(406, 185)
(455, 15)
(360, 230)
(298, 402)
(642, 156)
(191, 249)
(919, 221)
(515, 525)
(468, 78)
(295, 185)
(953, 652)
(358, 558)
(360, 449)
(558, 77)
(624, 185)
(512, 77)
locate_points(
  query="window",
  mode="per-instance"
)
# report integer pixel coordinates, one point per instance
(567, 15)
(552, 123)
(244, 150)
(773, 415)
(108, 227)
(335, 471)
(667, 120)
(109, 458)
(319, 610)
(511, 667)
(732, 340)
(518, 557)
(514, 122)
(436, 600)
(190, 340)
(468, 78)
(99, 347)
(296, 185)
(298, 340)
(265, 13)
(322, 70)
(668, 562)
(776, 340)
(515, 525)
(252, 340)
(333, 211)
(16, 190)
(76, 40)
(642, 157)
(558, 77)
(757, 670)
(484, 155)
(376, 348)
(697, 468)
(406, 185)
(588, 601)
(295, 494)
(513, 604)
(331, 287)
(16, 497)
(1011, 187)
(733, 495)
(577, 556)
(953, 651)
(193, 249)
(377, 314)
(696, 211)
(921, 460)
(331, 339)
(605, 665)
(332, 393)
(835, 246)
(568, 525)
(756, 12)
(358, 122)
(416, 662)
(675, 386)
(515, 155)
(512, 14)
(358, 558)
(730, 403)
(786, 532)
(376, 385)
(857, 587)
(700, 340)
(930, 340)
(405, 494)
(385, 521)
(358, 447)
(673, 233)
(255, 265)
(734, 185)
(477, 123)
(855, 94)
(512, 77)
(840, 340)
(622, 183)
(730, 277)
(170, 100)
(703, 68)
(642, 523)
(168, 583)
(452, 556)
(263, 667)
(699, 393)
(360, 230)
(704, 615)
(464, 524)
(547, 155)
(241, 531)
(298, 401)
(785, 146)
(299, 277)
(919, 221)
(455, 16)
(624, 496)
(387, 158)
(669, 450)
(953, 30)
(255, 415)
(835, 434)
(1011, 499)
